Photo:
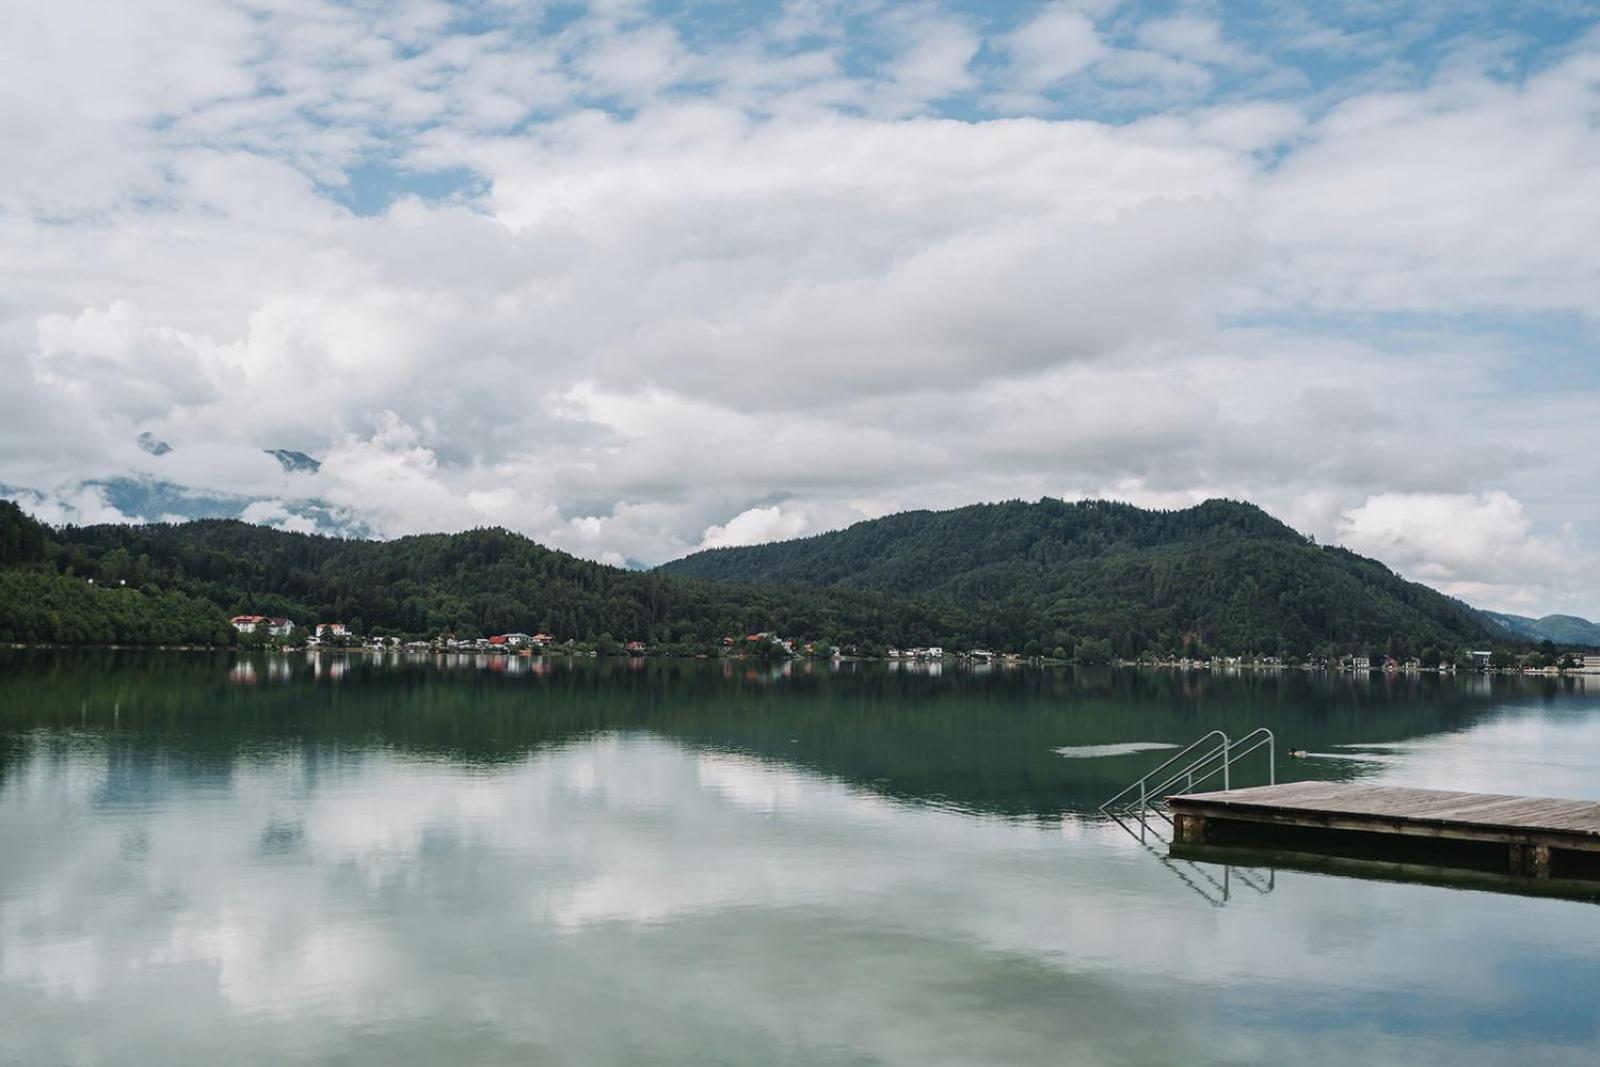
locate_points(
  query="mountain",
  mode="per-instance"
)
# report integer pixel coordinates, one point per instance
(1557, 629)
(1221, 575)
(153, 444)
(292, 461)
(1092, 579)
(147, 499)
(474, 583)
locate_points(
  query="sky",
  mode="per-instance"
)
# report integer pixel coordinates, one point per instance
(638, 278)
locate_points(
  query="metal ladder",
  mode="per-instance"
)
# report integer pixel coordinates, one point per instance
(1206, 758)
(1194, 764)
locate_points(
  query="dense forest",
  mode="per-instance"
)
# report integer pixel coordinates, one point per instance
(1091, 581)
(469, 584)
(1220, 576)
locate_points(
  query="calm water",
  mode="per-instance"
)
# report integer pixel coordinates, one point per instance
(206, 859)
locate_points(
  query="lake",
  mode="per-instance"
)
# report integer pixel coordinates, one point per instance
(211, 858)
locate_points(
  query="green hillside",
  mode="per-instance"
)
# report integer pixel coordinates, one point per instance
(1219, 576)
(1092, 579)
(472, 584)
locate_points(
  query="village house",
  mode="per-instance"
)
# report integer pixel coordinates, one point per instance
(246, 624)
(332, 629)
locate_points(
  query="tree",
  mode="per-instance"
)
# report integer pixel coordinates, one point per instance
(1093, 651)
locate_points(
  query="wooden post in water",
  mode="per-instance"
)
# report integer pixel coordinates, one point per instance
(1541, 861)
(1189, 828)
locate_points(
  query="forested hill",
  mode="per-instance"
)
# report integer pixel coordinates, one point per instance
(178, 583)
(1221, 575)
(1091, 579)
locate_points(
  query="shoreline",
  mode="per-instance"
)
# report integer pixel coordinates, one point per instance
(951, 661)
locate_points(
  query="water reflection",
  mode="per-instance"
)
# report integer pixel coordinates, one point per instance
(988, 741)
(423, 865)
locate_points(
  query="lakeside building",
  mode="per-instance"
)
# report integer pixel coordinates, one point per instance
(332, 629)
(248, 624)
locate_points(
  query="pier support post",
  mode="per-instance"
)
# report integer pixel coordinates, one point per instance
(1189, 828)
(1541, 860)
(1531, 860)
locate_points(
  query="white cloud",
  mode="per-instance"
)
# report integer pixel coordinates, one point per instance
(681, 276)
(933, 61)
(1466, 196)
(756, 526)
(1196, 39)
(1481, 544)
(1057, 43)
(80, 505)
(276, 514)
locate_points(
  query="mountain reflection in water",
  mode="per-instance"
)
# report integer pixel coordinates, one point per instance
(408, 862)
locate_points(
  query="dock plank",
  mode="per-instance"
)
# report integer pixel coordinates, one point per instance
(1403, 809)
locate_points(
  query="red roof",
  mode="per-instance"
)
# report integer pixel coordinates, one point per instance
(498, 639)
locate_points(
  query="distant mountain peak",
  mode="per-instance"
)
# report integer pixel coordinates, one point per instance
(153, 444)
(1559, 629)
(294, 462)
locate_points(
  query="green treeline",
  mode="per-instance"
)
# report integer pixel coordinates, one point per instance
(1218, 577)
(1090, 581)
(45, 607)
(469, 584)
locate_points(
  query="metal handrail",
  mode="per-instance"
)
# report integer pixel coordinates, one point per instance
(1266, 738)
(1176, 756)
(1196, 770)
(1237, 751)
(1190, 771)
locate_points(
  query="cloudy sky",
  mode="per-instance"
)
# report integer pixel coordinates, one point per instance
(633, 278)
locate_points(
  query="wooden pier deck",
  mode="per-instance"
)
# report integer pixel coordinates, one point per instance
(1532, 830)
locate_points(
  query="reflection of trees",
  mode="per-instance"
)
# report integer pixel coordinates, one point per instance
(980, 740)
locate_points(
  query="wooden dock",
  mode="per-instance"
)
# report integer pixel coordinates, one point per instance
(1531, 832)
